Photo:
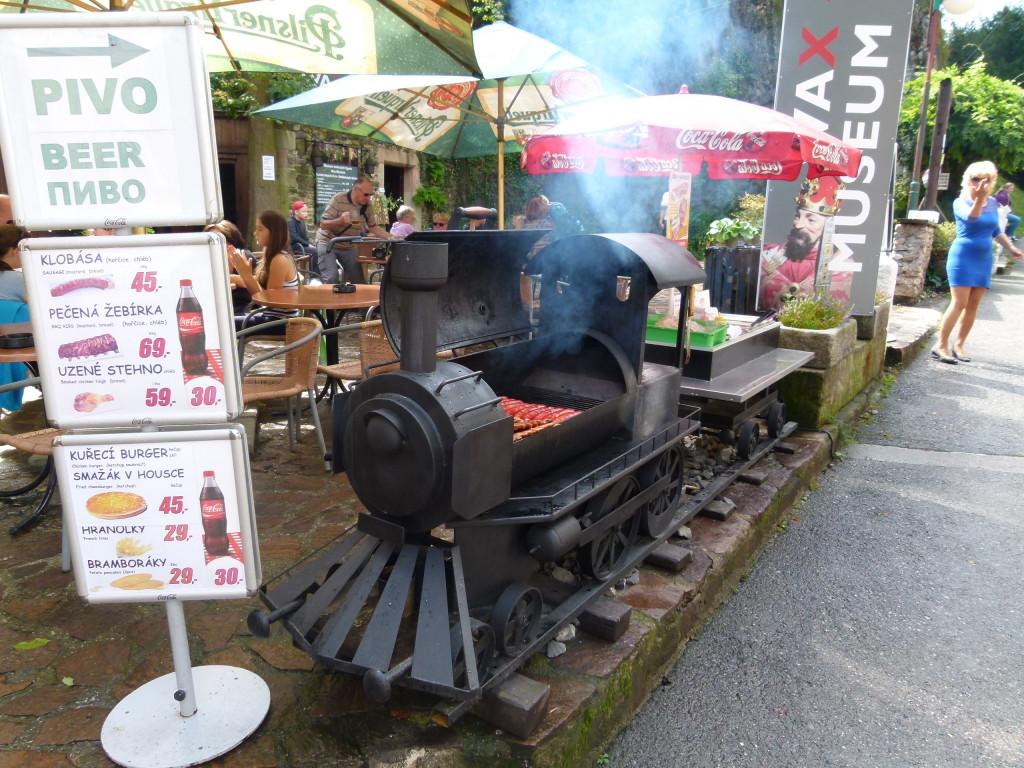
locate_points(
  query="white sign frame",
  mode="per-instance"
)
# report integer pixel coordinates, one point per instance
(123, 379)
(83, 472)
(106, 121)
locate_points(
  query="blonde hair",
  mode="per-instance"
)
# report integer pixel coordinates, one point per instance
(980, 168)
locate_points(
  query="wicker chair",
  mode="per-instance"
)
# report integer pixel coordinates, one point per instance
(37, 442)
(375, 355)
(301, 350)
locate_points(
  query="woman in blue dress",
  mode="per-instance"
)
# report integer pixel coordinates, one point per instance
(969, 264)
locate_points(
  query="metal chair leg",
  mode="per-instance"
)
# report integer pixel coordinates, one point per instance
(319, 430)
(51, 486)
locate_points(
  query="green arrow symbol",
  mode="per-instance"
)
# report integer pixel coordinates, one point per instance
(119, 51)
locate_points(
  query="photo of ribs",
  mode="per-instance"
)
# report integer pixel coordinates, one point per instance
(94, 345)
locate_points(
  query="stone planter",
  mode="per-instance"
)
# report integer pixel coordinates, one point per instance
(829, 347)
(875, 324)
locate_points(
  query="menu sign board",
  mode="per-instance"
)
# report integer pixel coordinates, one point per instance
(330, 181)
(133, 330)
(106, 121)
(163, 515)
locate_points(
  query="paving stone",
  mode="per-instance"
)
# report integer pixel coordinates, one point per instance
(286, 702)
(656, 596)
(15, 660)
(51, 578)
(154, 664)
(85, 622)
(26, 759)
(594, 657)
(283, 655)
(97, 664)
(257, 751)
(338, 695)
(696, 572)
(41, 700)
(234, 657)
(217, 627)
(568, 696)
(149, 630)
(82, 724)
(9, 688)
(285, 548)
(718, 536)
(319, 746)
(751, 501)
(31, 609)
(10, 731)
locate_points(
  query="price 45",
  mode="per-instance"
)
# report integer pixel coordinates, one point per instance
(144, 282)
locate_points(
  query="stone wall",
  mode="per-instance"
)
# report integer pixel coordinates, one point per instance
(912, 247)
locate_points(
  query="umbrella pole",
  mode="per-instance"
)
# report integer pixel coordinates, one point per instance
(501, 153)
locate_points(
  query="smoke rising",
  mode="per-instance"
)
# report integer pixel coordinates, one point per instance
(655, 46)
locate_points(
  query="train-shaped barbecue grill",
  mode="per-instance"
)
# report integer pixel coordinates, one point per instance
(397, 600)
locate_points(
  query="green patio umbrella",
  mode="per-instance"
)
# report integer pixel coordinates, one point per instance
(526, 82)
(311, 36)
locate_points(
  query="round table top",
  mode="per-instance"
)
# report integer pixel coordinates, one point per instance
(318, 297)
(20, 354)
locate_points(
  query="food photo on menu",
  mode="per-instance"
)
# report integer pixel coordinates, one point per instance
(153, 518)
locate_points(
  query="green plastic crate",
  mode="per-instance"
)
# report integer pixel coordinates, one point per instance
(697, 338)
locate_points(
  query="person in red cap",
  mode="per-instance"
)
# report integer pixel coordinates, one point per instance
(299, 234)
(794, 268)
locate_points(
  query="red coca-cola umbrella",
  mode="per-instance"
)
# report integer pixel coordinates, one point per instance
(656, 135)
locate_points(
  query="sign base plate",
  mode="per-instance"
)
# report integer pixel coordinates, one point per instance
(146, 729)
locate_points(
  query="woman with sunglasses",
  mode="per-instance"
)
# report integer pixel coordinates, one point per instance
(969, 264)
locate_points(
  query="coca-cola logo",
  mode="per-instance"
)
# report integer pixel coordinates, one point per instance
(211, 508)
(719, 141)
(830, 153)
(190, 322)
(556, 161)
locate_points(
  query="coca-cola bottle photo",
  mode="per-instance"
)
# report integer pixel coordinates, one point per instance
(215, 521)
(191, 332)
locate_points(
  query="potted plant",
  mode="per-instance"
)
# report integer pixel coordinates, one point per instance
(818, 323)
(729, 232)
(945, 234)
(369, 159)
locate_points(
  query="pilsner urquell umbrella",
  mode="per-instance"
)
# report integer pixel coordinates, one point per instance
(311, 36)
(527, 80)
(656, 135)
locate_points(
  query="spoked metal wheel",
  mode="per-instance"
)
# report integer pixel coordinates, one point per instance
(746, 441)
(657, 515)
(515, 617)
(605, 554)
(776, 419)
(483, 651)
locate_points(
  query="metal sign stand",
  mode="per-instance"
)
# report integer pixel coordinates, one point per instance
(217, 708)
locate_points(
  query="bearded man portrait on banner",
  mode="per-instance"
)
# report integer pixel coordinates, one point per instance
(803, 263)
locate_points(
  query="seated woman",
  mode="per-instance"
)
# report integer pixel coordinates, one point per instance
(406, 222)
(275, 268)
(241, 299)
(12, 282)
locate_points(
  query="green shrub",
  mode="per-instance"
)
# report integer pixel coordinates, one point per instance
(945, 234)
(818, 312)
(724, 230)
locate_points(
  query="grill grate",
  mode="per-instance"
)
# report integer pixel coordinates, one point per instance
(554, 399)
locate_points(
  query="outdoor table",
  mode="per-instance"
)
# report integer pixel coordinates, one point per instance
(326, 305)
(22, 354)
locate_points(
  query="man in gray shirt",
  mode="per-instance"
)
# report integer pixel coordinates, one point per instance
(348, 214)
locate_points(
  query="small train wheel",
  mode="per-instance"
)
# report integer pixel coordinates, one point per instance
(776, 419)
(746, 443)
(483, 651)
(605, 554)
(515, 617)
(657, 515)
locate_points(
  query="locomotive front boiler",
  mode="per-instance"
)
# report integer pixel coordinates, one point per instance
(432, 444)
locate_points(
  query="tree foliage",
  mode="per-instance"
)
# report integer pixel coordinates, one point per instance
(999, 40)
(986, 121)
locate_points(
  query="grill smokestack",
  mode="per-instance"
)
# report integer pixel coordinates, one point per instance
(419, 269)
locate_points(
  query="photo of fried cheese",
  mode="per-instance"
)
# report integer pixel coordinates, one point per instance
(115, 505)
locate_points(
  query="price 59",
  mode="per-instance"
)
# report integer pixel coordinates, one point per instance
(158, 397)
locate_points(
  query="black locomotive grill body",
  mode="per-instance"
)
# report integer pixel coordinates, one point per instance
(431, 444)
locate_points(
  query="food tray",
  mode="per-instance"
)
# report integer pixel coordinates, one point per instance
(697, 338)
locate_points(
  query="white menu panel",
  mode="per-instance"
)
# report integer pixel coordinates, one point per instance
(134, 330)
(162, 515)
